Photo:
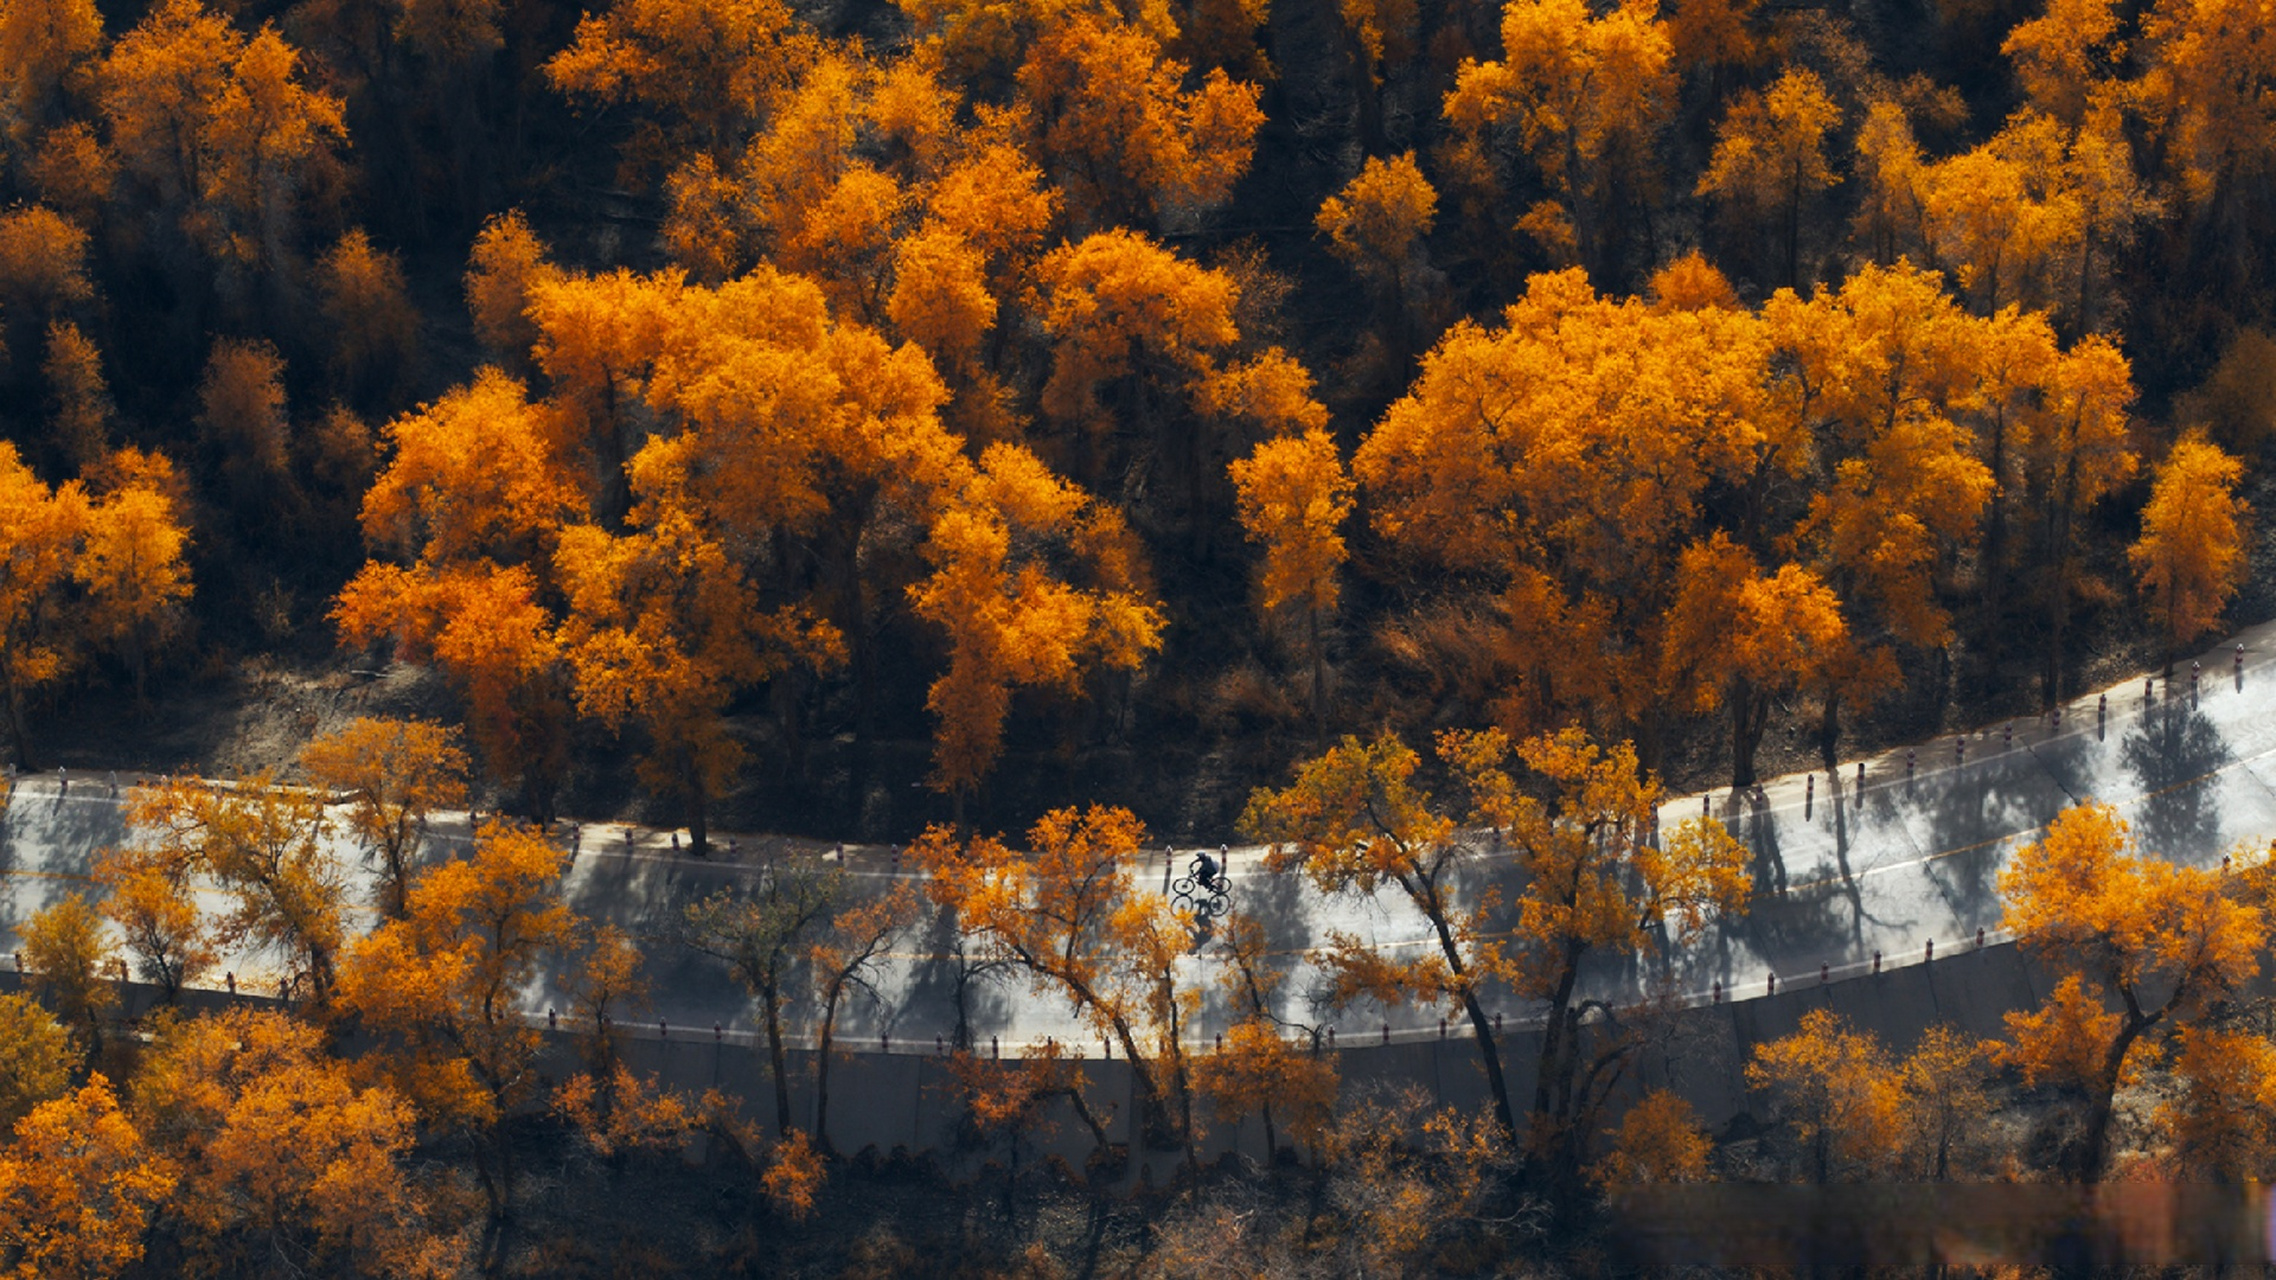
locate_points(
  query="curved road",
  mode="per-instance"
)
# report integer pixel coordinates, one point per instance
(1844, 871)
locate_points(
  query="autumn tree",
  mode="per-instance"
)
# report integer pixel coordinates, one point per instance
(506, 262)
(221, 131)
(1121, 133)
(1945, 1098)
(1068, 914)
(1133, 326)
(1659, 1139)
(473, 491)
(1009, 1100)
(45, 50)
(1354, 820)
(283, 1152)
(2190, 557)
(1376, 224)
(843, 962)
(2122, 928)
(1836, 1088)
(394, 775)
(35, 1058)
(1294, 497)
(1260, 1067)
(2077, 455)
(765, 937)
(41, 532)
(439, 988)
(1770, 155)
(134, 562)
(361, 291)
(1562, 461)
(695, 73)
(241, 414)
(43, 273)
(78, 394)
(63, 950)
(1881, 373)
(79, 1188)
(1010, 620)
(1580, 95)
(1738, 638)
(151, 900)
(265, 846)
(2220, 1121)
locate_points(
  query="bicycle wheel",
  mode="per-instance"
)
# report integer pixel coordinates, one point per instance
(1182, 888)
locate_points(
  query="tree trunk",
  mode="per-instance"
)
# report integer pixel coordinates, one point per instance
(1319, 679)
(822, 1072)
(777, 1059)
(16, 721)
(1829, 733)
(1750, 711)
(699, 813)
(2105, 1094)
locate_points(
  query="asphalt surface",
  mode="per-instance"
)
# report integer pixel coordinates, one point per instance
(1847, 876)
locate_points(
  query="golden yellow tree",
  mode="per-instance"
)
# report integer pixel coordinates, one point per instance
(134, 562)
(1259, 1067)
(394, 775)
(506, 262)
(41, 531)
(2190, 557)
(1011, 620)
(35, 1058)
(1659, 1140)
(79, 1189)
(1945, 1098)
(1836, 1088)
(439, 989)
(151, 901)
(1068, 913)
(1770, 155)
(265, 845)
(2221, 1121)
(1562, 460)
(284, 1152)
(843, 962)
(221, 129)
(1355, 821)
(64, 952)
(241, 413)
(78, 392)
(1739, 637)
(375, 330)
(1295, 495)
(2126, 928)
(2078, 453)
(696, 70)
(1582, 94)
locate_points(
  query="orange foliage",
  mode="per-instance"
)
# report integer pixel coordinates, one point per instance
(393, 774)
(1375, 222)
(1659, 1140)
(2190, 557)
(265, 846)
(698, 69)
(79, 1188)
(362, 295)
(2121, 927)
(1836, 1088)
(282, 1151)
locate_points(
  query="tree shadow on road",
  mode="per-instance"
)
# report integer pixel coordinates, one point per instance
(2172, 752)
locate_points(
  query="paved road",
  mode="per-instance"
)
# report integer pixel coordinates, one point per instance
(1844, 871)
